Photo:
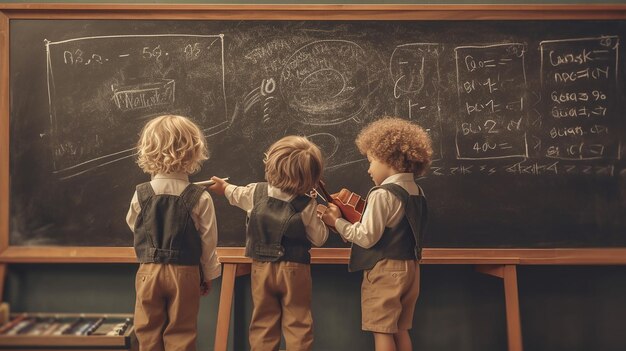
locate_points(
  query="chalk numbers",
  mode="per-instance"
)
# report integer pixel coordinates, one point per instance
(152, 53)
(268, 86)
(192, 52)
(78, 57)
(598, 95)
(73, 58)
(484, 147)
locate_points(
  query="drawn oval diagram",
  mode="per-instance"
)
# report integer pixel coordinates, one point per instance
(325, 82)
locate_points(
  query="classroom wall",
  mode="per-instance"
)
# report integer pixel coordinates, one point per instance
(566, 308)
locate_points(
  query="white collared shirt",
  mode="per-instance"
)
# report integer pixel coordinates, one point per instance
(243, 197)
(383, 210)
(203, 216)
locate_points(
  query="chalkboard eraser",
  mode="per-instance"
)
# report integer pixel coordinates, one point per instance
(208, 182)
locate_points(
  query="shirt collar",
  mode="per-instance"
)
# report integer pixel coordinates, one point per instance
(399, 178)
(279, 194)
(177, 176)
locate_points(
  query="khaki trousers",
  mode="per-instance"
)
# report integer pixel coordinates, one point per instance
(389, 293)
(281, 293)
(166, 307)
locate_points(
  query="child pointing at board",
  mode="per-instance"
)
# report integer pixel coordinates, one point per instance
(175, 233)
(282, 224)
(387, 240)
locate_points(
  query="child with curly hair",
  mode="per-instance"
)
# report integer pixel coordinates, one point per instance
(175, 232)
(282, 223)
(386, 243)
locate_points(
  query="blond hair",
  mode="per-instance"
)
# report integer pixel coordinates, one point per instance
(403, 145)
(171, 144)
(293, 164)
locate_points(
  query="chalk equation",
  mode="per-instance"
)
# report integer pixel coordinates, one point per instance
(328, 86)
(491, 85)
(579, 78)
(124, 80)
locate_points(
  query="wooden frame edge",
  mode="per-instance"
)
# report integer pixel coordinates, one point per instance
(482, 256)
(47, 254)
(74, 254)
(4, 132)
(308, 7)
(488, 256)
(313, 11)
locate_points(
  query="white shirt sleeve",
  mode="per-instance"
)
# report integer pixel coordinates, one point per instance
(133, 212)
(206, 224)
(380, 207)
(241, 196)
(316, 230)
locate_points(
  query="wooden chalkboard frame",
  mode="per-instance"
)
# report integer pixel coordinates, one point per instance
(56, 254)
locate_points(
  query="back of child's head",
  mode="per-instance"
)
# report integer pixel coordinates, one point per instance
(171, 144)
(293, 164)
(403, 145)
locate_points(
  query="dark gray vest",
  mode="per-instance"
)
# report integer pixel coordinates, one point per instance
(275, 229)
(164, 230)
(402, 242)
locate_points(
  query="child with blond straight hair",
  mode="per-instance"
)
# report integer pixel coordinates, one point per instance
(175, 233)
(282, 225)
(387, 242)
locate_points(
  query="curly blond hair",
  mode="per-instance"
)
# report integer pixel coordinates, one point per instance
(171, 144)
(403, 145)
(293, 164)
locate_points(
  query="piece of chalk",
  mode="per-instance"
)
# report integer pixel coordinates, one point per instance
(209, 182)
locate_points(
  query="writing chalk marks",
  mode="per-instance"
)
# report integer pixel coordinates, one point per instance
(410, 64)
(491, 85)
(579, 80)
(144, 95)
(415, 72)
(102, 89)
(325, 82)
(526, 125)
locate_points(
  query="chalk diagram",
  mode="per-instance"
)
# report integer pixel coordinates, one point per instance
(324, 82)
(102, 90)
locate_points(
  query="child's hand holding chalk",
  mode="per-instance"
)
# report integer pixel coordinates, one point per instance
(209, 182)
(215, 185)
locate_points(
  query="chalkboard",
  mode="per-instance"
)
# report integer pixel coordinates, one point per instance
(526, 117)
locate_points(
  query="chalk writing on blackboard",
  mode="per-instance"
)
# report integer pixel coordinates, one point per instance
(416, 77)
(514, 115)
(579, 77)
(325, 82)
(125, 80)
(491, 84)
